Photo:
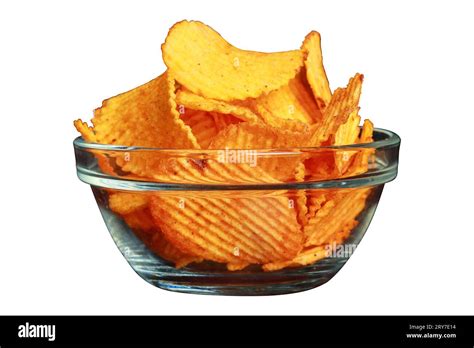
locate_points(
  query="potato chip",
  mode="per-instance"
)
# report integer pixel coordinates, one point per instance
(346, 134)
(127, 202)
(230, 230)
(207, 65)
(332, 217)
(315, 73)
(163, 248)
(88, 135)
(300, 196)
(361, 162)
(196, 102)
(145, 116)
(140, 220)
(203, 126)
(304, 258)
(293, 101)
(342, 104)
(249, 137)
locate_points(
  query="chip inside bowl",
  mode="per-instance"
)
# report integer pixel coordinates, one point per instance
(239, 118)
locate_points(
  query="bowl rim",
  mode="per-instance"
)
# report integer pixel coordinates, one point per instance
(389, 139)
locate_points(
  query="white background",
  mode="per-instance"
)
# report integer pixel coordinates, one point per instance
(58, 60)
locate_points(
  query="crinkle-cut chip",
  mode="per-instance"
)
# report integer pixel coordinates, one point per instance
(300, 196)
(127, 202)
(202, 124)
(86, 131)
(315, 201)
(163, 248)
(140, 220)
(332, 217)
(277, 122)
(342, 104)
(306, 257)
(244, 137)
(364, 157)
(145, 116)
(315, 73)
(206, 64)
(237, 266)
(367, 132)
(193, 101)
(320, 165)
(340, 236)
(293, 101)
(224, 120)
(229, 167)
(346, 134)
(227, 229)
(89, 136)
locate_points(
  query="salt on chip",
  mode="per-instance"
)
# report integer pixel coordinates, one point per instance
(315, 73)
(232, 230)
(207, 65)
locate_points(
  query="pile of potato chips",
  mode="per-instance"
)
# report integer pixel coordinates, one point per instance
(231, 103)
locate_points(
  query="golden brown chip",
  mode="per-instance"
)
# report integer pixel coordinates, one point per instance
(206, 64)
(300, 196)
(346, 134)
(193, 101)
(140, 220)
(315, 72)
(145, 116)
(230, 230)
(163, 248)
(203, 126)
(306, 257)
(333, 216)
(250, 137)
(293, 101)
(89, 136)
(342, 104)
(364, 157)
(127, 202)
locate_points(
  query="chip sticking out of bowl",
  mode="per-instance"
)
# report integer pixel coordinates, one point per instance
(235, 161)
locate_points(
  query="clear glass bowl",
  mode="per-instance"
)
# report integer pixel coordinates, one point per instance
(209, 222)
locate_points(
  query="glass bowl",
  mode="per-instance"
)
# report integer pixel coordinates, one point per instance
(213, 221)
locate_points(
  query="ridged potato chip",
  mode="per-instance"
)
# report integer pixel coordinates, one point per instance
(145, 116)
(304, 258)
(88, 135)
(127, 202)
(163, 248)
(196, 102)
(248, 137)
(315, 73)
(293, 101)
(228, 229)
(332, 217)
(207, 65)
(342, 104)
(346, 134)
